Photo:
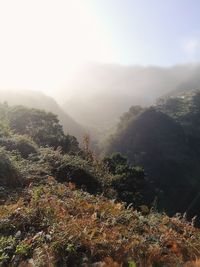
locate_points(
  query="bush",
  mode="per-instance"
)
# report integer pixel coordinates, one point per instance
(60, 226)
(9, 174)
(129, 182)
(21, 143)
(79, 171)
(25, 146)
(71, 168)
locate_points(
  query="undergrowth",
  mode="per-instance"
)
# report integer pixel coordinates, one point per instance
(57, 225)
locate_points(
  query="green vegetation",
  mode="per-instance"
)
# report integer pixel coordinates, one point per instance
(9, 173)
(38, 100)
(129, 182)
(165, 140)
(62, 206)
(42, 127)
(57, 225)
(21, 143)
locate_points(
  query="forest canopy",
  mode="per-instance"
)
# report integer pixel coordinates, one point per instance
(165, 140)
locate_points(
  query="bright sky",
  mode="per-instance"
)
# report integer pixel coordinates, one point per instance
(43, 41)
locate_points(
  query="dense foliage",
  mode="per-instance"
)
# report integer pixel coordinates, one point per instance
(129, 182)
(42, 127)
(38, 100)
(56, 225)
(165, 140)
(62, 206)
(9, 173)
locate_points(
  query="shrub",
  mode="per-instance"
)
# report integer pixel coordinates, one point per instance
(60, 226)
(25, 146)
(129, 182)
(9, 174)
(79, 171)
(21, 143)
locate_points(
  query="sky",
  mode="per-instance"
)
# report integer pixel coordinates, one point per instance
(152, 32)
(44, 42)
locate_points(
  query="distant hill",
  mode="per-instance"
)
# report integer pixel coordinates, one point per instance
(191, 84)
(165, 140)
(100, 93)
(41, 101)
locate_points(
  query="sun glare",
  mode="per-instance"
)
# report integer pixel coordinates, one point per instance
(44, 41)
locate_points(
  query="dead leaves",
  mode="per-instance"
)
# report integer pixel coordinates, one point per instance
(103, 229)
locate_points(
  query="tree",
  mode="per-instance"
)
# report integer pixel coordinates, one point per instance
(43, 127)
(129, 182)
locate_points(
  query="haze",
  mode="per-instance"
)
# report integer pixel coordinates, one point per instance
(44, 42)
(97, 58)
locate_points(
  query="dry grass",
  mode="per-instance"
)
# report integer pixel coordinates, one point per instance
(58, 225)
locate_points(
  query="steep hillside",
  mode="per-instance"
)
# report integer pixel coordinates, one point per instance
(41, 101)
(99, 94)
(56, 225)
(165, 141)
(60, 206)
